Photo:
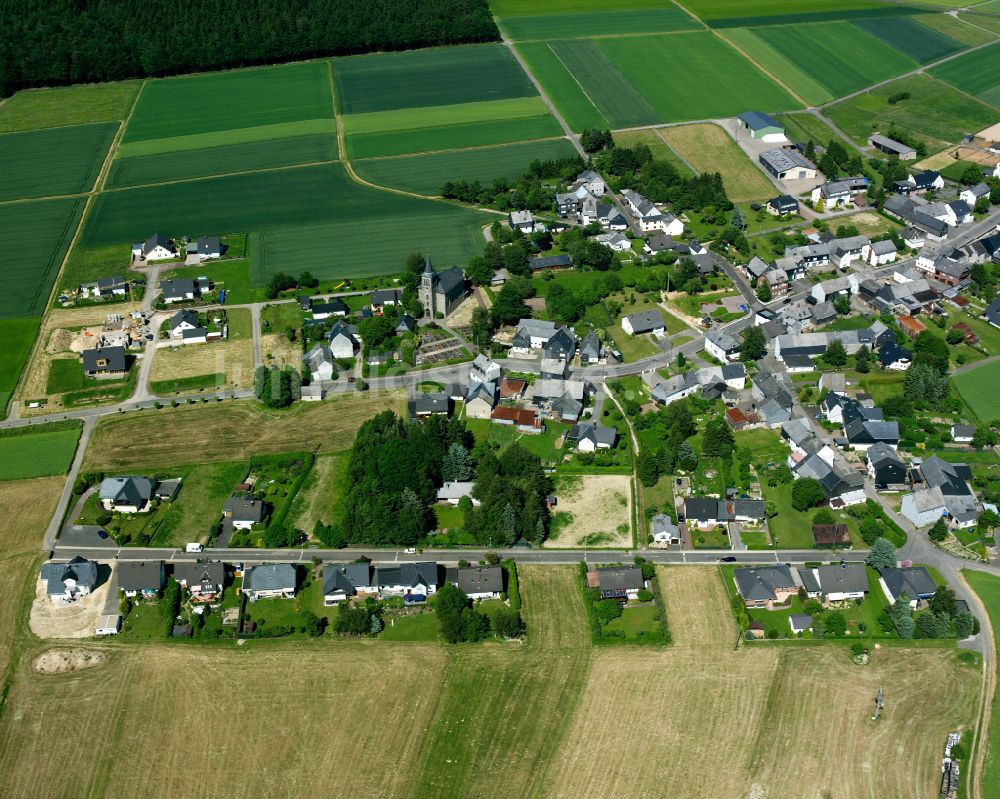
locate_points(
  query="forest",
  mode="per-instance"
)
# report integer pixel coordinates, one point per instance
(87, 41)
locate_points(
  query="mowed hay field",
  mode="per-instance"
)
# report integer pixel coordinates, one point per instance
(978, 389)
(594, 510)
(54, 162)
(233, 431)
(68, 105)
(976, 73)
(234, 359)
(38, 451)
(708, 148)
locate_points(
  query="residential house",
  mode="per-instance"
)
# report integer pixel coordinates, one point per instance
(706, 513)
(512, 388)
(617, 582)
(837, 583)
(787, 164)
(782, 204)
(928, 180)
(911, 210)
(675, 388)
(649, 217)
(185, 326)
(481, 400)
(879, 253)
(916, 582)
(484, 370)
(777, 282)
(664, 530)
(523, 221)
(903, 152)
(525, 420)
(892, 356)
(414, 582)
(862, 433)
(424, 404)
(553, 368)
(972, 194)
(156, 248)
(590, 349)
(644, 322)
(844, 252)
(614, 241)
(953, 480)
(561, 345)
(962, 433)
(590, 436)
(319, 361)
(66, 582)
(566, 407)
(244, 512)
(885, 468)
(829, 289)
(205, 248)
(756, 268)
(842, 191)
(144, 578)
(531, 334)
(204, 579)
(765, 586)
(592, 182)
(924, 507)
(126, 494)
(105, 362)
(992, 313)
(104, 287)
(453, 490)
(762, 127)
(270, 581)
(344, 580)
(184, 288)
(822, 313)
(478, 582)
(343, 340)
(333, 307)
(722, 346)
(382, 298)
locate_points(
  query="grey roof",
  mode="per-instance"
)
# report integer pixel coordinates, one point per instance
(567, 406)
(783, 201)
(208, 245)
(200, 572)
(758, 120)
(880, 452)
(113, 359)
(963, 430)
(661, 523)
(645, 321)
(382, 296)
(732, 371)
(485, 391)
(537, 328)
(885, 143)
(621, 578)
(781, 160)
(915, 582)
(140, 575)
(798, 362)
(941, 474)
(157, 240)
(346, 577)
(662, 392)
(479, 579)
(722, 340)
(591, 345)
(245, 509)
(706, 508)
(759, 583)
(773, 412)
(757, 267)
(883, 247)
(318, 355)
(848, 578)
(562, 343)
(127, 490)
(269, 577)
(449, 280)
(410, 575)
(800, 621)
(334, 306)
(83, 571)
(861, 430)
(597, 433)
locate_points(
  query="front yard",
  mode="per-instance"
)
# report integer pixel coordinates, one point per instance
(792, 529)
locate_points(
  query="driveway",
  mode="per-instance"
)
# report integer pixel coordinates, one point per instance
(226, 535)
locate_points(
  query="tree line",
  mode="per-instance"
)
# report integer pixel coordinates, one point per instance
(86, 41)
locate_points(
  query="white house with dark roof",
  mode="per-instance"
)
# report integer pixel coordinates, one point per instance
(765, 586)
(478, 582)
(781, 205)
(127, 494)
(879, 253)
(140, 577)
(971, 194)
(916, 582)
(835, 583)
(67, 582)
(532, 334)
(644, 322)
(244, 512)
(270, 581)
(320, 362)
(156, 248)
(721, 345)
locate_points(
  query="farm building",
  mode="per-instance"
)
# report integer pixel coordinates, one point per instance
(762, 126)
(787, 164)
(903, 152)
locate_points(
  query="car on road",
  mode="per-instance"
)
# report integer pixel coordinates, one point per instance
(195, 547)
(410, 551)
(728, 559)
(102, 534)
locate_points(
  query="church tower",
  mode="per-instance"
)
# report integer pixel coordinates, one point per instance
(426, 291)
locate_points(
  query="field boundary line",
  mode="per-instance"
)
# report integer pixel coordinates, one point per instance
(761, 67)
(84, 215)
(576, 81)
(461, 149)
(691, 14)
(116, 189)
(681, 157)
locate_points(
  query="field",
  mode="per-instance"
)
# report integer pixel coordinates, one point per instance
(593, 510)
(740, 13)
(910, 37)
(657, 146)
(54, 162)
(305, 213)
(231, 275)
(426, 174)
(19, 336)
(596, 23)
(708, 148)
(978, 388)
(34, 238)
(564, 89)
(234, 359)
(318, 496)
(42, 451)
(230, 431)
(69, 105)
(957, 28)
(988, 588)
(935, 110)
(977, 73)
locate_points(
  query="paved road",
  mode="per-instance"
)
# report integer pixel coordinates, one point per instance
(258, 354)
(67, 493)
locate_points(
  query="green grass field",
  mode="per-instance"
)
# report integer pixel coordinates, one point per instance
(18, 336)
(957, 29)
(573, 103)
(977, 73)
(305, 213)
(741, 13)
(912, 38)
(514, 8)
(242, 157)
(657, 146)
(233, 276)
(231, 101)
(420, 78)
(978, 387)
(597, 23)
(987, 587)
(935, 110)
(68, 105)
(65, 374)
(838, 56)
(53, 162)
(442, 115)
(802, 127)
(38, 451)
(33, 238)
(425, 174)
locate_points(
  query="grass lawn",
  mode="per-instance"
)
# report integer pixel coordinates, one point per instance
(449, 516)
(792, 529)
(143, 623)
(656, 144)
(712, 539)
(633, 348)
(988, 588)
(275, 318)
(881, 385)
(274, 612)
(802, 126)
(65, 374)
(38, 451)
(766, 445)
(420, 626)
(977, 386)
(636, 620)
(231, 275)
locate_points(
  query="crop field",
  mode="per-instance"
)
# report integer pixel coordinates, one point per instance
(741, 13)
(426, 174)
(27, 452)
(434, 77)
(828, 59)
(34, 237)
(978, 387)
(53, 162)
(245, 157)
(910, 37)
(303, 211)
(934, 111)
(573, 103)
(987, 586)
(977, 73)
(240, 100)
(708, 148)
(516, 8)
(68, 105)
(957, 28)
(597, 23)
(232, 431)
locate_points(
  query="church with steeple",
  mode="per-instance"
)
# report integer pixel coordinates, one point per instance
(440, 292)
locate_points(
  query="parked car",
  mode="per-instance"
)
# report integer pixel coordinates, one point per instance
(728, 559)
(410, 550)
(195, 547)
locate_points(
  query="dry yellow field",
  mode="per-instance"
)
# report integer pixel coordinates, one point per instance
(593, 510)
(279, 351)
(234, 431)
(708, 148)
(234, 359)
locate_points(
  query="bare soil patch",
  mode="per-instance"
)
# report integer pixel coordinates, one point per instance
(593, 510)
(63, 661)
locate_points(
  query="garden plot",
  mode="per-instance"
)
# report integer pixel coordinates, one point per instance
(592, 510)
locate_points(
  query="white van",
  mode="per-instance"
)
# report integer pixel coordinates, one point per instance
(194, 548)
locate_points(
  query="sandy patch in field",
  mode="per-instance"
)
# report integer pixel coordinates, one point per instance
(284, 352)
(75, 621)
(232, 358)
(63, 661)
(598, 511)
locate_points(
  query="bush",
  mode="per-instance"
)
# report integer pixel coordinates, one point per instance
(608, 610)
(645, 596)
(857, 648)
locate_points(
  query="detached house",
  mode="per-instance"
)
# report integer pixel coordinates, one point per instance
(478, 582)
(204, 579)
(414, 582)
(344, 580)
(320, 363)
(765, 586)
(481, 400)
(722, 346)
(185, 327)
(885, 467)
(590, 437)
(915, 582)
(270, 581)
(105, 362)
(186, 288)
(644, 322)
(145, 578)
(126, 494)
(65, 583)
(244, 512)
(782, 204)
(617, 582)
(156, 248)
(343, 340)
(649, 216)
(206, 248)
(835, 583)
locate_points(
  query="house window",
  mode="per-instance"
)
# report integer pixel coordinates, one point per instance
(102, 362)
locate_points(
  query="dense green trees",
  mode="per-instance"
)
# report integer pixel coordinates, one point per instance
(882, 554)
(594, 140)
(277, 388)
(511, 488)
(754, 346)
(807, 493)
(534, 190)
(83, 41)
